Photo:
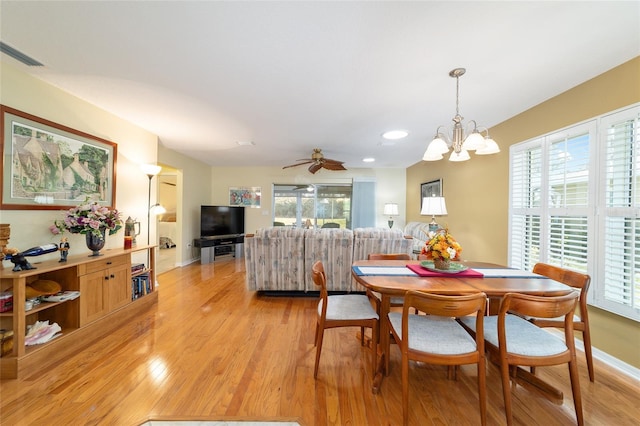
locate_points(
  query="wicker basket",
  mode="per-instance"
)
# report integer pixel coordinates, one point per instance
(443, 264)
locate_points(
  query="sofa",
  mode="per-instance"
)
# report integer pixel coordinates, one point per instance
(419, 233)
(280, 258)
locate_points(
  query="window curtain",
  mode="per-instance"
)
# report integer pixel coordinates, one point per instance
(363, 213)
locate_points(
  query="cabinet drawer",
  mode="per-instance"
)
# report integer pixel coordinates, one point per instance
(103, 264)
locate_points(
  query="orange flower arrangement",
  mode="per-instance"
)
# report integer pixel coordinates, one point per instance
(442, 246)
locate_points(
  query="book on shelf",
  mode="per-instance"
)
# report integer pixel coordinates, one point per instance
(140, 286)
(137, 267)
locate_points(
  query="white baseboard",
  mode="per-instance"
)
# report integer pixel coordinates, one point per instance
(187, 262)
(611, 361)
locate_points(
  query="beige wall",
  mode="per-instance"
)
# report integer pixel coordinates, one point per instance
(193, 188)
(477, 191)
(390, 187)
(135, 146)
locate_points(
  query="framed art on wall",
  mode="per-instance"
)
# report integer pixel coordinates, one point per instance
(430, 189)
(48, 166)
(246, 197)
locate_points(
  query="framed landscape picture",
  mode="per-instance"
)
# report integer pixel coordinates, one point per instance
(430, 189)
(48, 166)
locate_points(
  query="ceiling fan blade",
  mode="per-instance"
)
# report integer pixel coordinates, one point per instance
(333, 165)
(296, 165)
(329, 160)
(315, 167)
(318, 162)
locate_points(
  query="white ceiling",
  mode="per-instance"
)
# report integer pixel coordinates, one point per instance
(291, 76)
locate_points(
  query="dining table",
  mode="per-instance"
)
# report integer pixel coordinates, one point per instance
(392, 278)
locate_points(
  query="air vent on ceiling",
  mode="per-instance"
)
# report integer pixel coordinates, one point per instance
(16, 54)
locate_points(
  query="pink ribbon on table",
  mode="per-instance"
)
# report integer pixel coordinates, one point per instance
(423, 272)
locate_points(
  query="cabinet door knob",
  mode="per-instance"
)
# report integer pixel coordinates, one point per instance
(112, 276)
(106, 278)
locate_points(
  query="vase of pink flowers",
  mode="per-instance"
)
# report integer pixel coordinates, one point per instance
(91, 219)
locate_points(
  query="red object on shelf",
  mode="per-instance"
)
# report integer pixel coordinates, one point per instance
(6, 301)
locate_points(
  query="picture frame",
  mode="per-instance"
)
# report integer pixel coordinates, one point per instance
(48, 166)
(245, 196)
(430, 189)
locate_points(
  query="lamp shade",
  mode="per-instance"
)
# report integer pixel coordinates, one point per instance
(491, 147)
(433, 206)
(157, 209)
(463, 155)
(391, 209)
(150, 169)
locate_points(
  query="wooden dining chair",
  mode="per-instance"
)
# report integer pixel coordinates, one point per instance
(520, 342)
(396, 301)
(437, 338)
(580, 282)
(348, 310)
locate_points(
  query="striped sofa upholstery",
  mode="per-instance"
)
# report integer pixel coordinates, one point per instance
(379, 240)
(280, 258)
(417, 230)
(334, 247)
(274, 259)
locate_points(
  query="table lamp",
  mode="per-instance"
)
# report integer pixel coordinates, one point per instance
(391, 209)
(433, 206)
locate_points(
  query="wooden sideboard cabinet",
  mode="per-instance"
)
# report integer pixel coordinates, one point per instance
(106, 302)
(105, 286)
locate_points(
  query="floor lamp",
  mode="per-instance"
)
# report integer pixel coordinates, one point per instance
(150, 170)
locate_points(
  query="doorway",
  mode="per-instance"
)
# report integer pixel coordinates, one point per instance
(167, 223)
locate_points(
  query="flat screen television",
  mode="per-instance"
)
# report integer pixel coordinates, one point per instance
(221, 220)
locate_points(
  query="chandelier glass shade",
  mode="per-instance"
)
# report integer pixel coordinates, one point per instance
(460, 140)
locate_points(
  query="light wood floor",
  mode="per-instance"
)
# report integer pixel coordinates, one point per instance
(211, 349)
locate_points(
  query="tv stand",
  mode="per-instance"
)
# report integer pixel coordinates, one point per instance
(212, 247)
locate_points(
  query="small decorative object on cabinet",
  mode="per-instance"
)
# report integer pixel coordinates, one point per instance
(104, 303)
(64, 249)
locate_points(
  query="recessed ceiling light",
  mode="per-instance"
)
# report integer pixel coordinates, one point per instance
(246, 143)
(395, 134)
(368, 160)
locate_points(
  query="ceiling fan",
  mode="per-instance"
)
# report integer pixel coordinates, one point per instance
(318, 161)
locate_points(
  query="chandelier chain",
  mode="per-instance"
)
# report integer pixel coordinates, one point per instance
(457, 95)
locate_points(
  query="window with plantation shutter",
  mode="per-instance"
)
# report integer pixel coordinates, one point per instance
(620, 219)
(574, 202)
(526, 192)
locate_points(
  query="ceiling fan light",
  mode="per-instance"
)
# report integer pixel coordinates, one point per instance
(491, 147)
(463, 155)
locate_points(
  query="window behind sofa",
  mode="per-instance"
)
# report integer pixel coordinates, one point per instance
(321, 204)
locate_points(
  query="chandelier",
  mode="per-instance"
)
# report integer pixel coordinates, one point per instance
(460, 143)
